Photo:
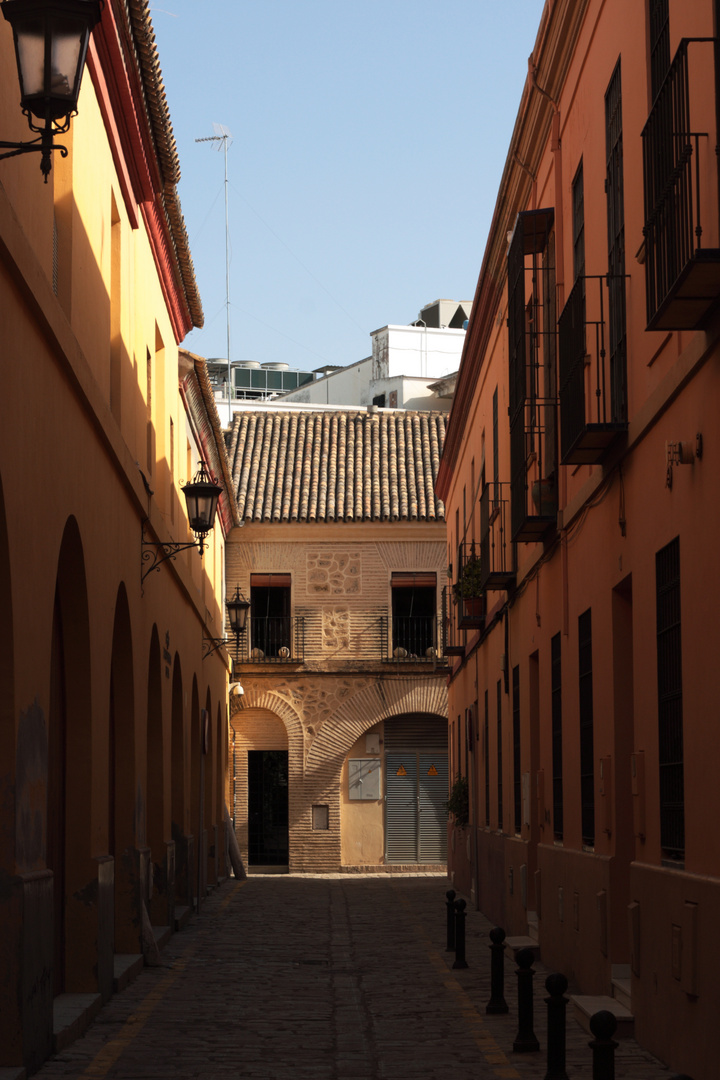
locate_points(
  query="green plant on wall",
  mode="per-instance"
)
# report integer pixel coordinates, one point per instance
(469, 586)
(458, 805)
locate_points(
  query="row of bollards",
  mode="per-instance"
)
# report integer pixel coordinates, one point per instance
(603, 1024)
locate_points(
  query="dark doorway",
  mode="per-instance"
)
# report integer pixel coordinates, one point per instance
(270, 624)
(268, 807)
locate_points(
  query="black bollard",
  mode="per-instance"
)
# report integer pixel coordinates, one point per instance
(556, 985)
(497, 1002)
(460, 961)
(525, 1040)
(450, 905)
(603, 1025)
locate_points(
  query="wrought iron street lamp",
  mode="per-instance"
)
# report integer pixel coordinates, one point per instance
(51, 39)
(201, 496)
(237, 609)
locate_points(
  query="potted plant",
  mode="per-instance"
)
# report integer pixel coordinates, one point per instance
(458, 805)
(468, 593)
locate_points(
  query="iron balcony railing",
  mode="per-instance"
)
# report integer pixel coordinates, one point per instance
(588, 420)
(412, 638)
(278, 639)
(496, 550)
(453, 638)
(682, 272)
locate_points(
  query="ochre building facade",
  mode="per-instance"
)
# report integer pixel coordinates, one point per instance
(113, 726)
(580, 473)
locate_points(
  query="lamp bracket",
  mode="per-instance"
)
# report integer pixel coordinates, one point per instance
(153, 553)
(215, 643)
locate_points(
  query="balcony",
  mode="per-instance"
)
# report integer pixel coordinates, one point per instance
(588, 424)
(413, 639)
(682, 271)
(496, 552)
(274, 640)
(453, 641)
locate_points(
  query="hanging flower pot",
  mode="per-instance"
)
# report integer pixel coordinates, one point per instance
(544, 497)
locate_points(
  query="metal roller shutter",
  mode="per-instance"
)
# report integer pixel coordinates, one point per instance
(401, 815)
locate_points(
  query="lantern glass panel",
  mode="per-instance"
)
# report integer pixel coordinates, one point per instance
(66, 49)
(31, 58)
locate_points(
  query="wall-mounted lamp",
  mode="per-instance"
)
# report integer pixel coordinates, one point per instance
(51, 39)
(237, 609)
(681, 453)
(201, 496)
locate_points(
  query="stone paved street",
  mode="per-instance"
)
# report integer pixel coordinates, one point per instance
(331, 978)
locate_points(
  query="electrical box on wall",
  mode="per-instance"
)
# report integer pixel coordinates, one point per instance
(372, 743)
(364, 778)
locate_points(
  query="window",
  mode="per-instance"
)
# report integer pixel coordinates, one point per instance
(670, 711)
(578, 223)
(496, 455)
(616, 247)
(659, 44)
(487, 760)
(557, 762)
(413, 614)
(270, 624)
(587, 766)
(517, 776)
(499, 757)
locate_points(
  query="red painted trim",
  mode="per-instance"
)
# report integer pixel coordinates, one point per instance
(103, 96)
(161, 249)
(118, 93)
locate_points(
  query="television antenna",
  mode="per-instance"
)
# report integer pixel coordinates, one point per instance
(223, 139)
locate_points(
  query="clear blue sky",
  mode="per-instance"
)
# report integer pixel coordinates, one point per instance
(369, 137)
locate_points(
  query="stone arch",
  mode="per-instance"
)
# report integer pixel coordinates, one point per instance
(70, 746)
(375, 702)
(126, 806)
(196, 793)
(157, 786)
(273, 703)
(221, 773)
(208, 784)
(179, 808)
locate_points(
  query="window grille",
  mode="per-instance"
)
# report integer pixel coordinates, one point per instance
(617, 336)
(659, 44)
(499, 758)
(670, 712)
(587, 766)
(487, 761)
(557, 754)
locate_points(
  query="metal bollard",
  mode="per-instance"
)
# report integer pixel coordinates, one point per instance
(497, 1002)
(603, 1025)
(450, 905)
(525, 1040)
(556, 985)
(460, 917)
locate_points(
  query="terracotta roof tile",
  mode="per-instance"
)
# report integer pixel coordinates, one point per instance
(341, 465)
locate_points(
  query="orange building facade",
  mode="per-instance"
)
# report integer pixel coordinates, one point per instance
(580, 477)
(113, 713)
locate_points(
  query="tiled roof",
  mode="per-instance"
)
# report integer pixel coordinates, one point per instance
(344, 465)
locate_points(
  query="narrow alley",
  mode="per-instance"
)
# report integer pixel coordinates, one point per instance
(326, 978)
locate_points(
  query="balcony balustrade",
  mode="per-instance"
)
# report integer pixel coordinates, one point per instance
(496, 550)
(276, 639)
(588, 424)
(682, 269)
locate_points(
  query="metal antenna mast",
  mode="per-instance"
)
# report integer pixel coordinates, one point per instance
(222, 135)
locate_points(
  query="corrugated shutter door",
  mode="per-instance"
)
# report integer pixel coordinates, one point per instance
(433, 782)
(418, 733)
(401, 816)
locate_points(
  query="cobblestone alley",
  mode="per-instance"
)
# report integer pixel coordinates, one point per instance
(327, 978)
